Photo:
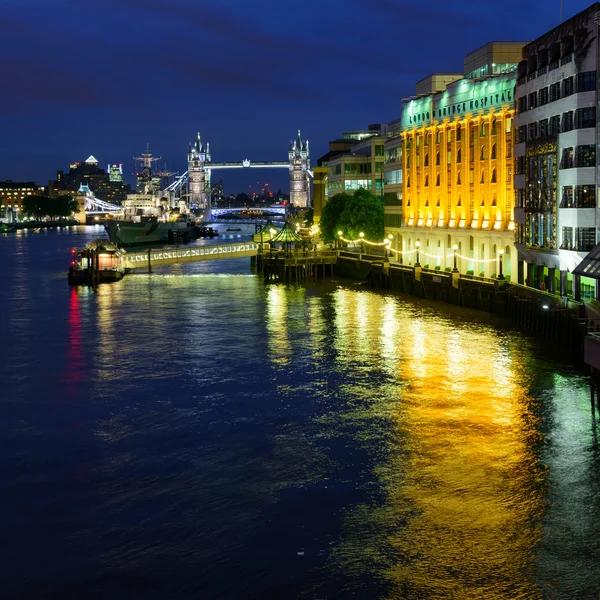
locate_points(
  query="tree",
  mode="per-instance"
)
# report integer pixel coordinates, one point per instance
(352, 214)
(43, 206)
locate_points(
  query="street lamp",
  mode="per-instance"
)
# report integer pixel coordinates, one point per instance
(340, 233)
(361, 235)
(417, 246)
(455, 248)
(500, 274)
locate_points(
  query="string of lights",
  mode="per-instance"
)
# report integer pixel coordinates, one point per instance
(388, 242)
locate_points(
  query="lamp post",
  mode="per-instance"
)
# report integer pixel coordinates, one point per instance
(500, 274)
(340, 233)
(455, 248)
(361, 235)
(417, 246)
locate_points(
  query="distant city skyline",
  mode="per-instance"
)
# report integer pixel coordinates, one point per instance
(108, 78)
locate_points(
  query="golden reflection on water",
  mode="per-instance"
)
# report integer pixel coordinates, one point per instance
(277, 300)
(462, 489)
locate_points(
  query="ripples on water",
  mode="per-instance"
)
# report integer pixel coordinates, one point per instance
(187, 434)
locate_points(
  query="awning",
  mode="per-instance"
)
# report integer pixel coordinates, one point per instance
(590, 265)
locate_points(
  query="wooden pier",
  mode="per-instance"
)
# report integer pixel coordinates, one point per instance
(296, 266)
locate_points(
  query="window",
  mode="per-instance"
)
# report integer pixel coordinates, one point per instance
(448, 135)
(566, 162)
(522, 134)
(378, 150)
(567, 86)
(458, 135)
(567, 121)
(533, 97)
(393, 177)
(555, 92)
(585, 196)
(483, 153)
(567, 238)
(449, 157)
(493, 180)
(585, 117)
(554, 126)
(544, 128)
(532, 131)
(508, 125)
(408, 162)
(493, 131)
(520, 165)
(458, 179)
(437, 158)
(408, 181)
(543, 96)
(438, 137)
(493, 152)
(482, 177)
(566, 200)
(585, 238)
(483, 129)
(437, 180)
(458, 156)
(426, 180)
(427, 159)
(522, 104)
(585, 156)
(585, 82)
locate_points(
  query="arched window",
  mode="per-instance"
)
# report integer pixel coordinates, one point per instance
(494, 201)
(426, 160)
(458, 154)
(458, 178)
(459, 203)
(437, 158)
(458, 135)
(437, 180)
(493, 179)
(408, 162)
(482, 152)
(493, 151)
(482, 177)
(493, 126)
(426, 180)
(408, 181)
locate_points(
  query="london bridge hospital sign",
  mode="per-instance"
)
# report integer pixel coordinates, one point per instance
(462, 96)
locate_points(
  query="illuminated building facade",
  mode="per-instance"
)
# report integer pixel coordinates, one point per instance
(12, 194)
(199, 183)
(359, 163)
(299, 157)
(102, 183)
(392, 180)
(457, 174)
(556, 179)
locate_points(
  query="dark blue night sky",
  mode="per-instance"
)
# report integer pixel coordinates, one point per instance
(109, 76)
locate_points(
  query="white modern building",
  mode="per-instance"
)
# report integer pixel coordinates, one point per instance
(556, 172)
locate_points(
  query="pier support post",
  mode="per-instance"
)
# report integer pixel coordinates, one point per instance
(149, 261)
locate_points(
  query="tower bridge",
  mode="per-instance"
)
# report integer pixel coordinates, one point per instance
(200, 166)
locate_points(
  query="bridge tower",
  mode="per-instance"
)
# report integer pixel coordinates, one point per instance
(198, 175)
(299, 155)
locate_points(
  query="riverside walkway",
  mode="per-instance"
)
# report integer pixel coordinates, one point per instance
(159, 257)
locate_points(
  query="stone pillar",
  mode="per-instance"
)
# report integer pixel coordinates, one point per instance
(577, 288)
(550, 287)
(520, 272)
(563, 283)
(319, 197)
(529, 278)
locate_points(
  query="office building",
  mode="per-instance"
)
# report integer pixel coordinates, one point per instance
(457, 170)
(556, 177)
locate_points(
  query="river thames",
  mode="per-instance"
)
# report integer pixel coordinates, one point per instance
(195, 433)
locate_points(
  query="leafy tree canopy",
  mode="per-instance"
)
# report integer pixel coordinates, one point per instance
(353, 213)
(43, 206)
